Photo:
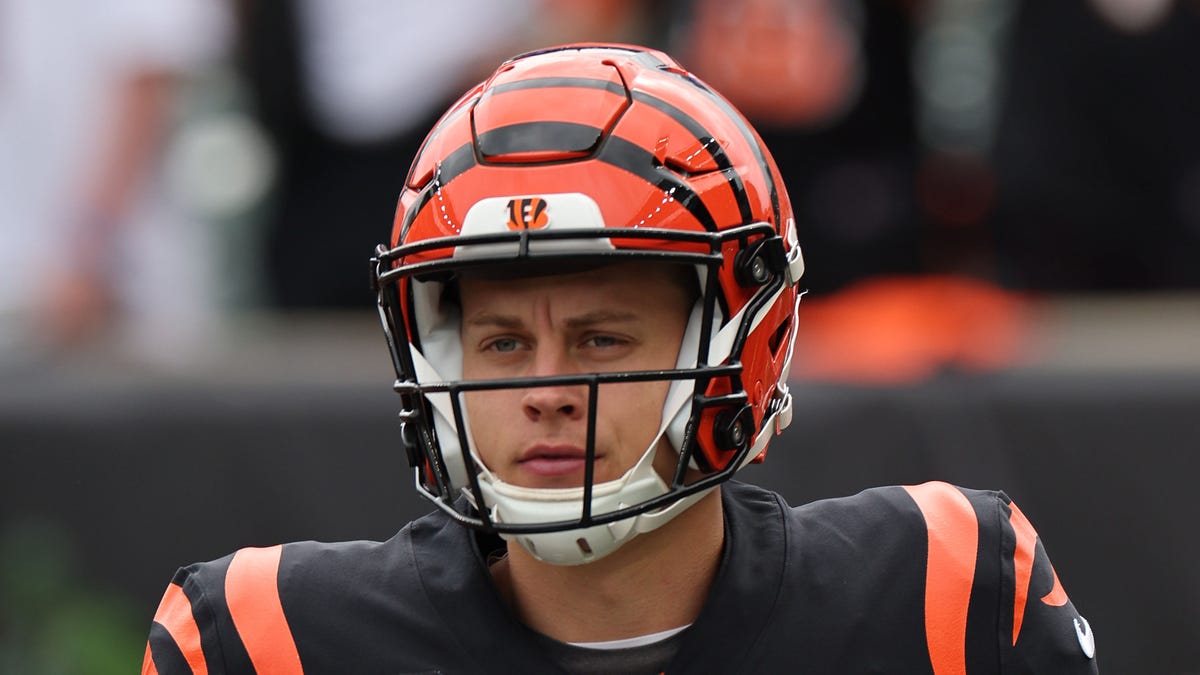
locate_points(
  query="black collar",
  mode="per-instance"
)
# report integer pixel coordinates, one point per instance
(451, 564)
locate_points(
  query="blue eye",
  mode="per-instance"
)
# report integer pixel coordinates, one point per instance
(603, 341)
(504, 345)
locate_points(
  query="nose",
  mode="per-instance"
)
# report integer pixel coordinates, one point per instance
(546, 403)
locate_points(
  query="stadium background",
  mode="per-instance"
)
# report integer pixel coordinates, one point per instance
(999, 202)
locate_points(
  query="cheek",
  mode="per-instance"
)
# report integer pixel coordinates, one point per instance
(633, 413)
(487, 413)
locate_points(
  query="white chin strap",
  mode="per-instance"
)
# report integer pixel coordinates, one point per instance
(514, 504)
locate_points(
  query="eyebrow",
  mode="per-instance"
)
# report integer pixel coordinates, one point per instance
(592, 318)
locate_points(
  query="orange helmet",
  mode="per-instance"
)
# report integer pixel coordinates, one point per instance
(594, 153)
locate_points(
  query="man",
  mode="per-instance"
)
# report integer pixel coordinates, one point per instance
(590, 300)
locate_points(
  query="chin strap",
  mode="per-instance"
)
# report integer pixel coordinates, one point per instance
(783, 416)
(513, 504)
(589, 544)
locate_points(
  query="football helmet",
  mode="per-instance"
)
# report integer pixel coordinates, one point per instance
(582, 155)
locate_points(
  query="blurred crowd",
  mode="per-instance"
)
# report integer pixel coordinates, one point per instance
(166, 164)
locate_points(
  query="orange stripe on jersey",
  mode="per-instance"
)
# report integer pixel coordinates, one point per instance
(1057, 597)
(949, 572)
(252, 594)
(1022, 565)
(175, 614)
(148, 663)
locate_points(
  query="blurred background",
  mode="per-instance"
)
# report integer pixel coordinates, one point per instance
(999, 202)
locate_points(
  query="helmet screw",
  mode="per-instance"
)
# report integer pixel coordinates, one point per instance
(751, 267)
(732, 428)
(737, 434)
(758, 270)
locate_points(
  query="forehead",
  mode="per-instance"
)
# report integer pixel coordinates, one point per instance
(634, 286)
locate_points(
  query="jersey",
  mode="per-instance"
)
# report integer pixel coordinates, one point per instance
(929, 578)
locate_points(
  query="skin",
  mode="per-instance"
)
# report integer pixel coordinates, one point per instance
(596, 321)
(593, 321)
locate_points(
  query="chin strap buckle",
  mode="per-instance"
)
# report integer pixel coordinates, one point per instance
(795, 266)
(783, 417)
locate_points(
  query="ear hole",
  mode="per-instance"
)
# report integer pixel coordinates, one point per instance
(529, 545)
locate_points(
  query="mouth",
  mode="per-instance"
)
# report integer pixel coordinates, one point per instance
(554, 460)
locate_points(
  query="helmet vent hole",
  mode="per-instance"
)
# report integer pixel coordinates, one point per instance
(777, 339)
(584, 547)
(529, 545)
(675, 165)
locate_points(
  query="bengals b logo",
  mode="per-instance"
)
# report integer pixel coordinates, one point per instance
(527, 214)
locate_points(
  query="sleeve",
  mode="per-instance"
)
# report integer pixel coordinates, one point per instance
(175, 644)
(1047, 634)
(224, 616)
(993, 601)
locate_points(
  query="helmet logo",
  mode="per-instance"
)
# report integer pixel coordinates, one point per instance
(527, 214)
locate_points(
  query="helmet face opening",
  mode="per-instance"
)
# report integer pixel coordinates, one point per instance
(673, 177)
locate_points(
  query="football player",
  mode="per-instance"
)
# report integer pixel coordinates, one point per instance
(590, 297)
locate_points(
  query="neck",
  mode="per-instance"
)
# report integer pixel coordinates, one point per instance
(654, 582)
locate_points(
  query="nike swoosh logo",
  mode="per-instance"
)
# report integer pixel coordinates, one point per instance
(1086, 639)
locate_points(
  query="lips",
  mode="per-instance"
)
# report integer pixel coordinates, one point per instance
(553, 460)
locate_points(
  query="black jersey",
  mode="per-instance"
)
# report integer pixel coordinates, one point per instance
(917, 579)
